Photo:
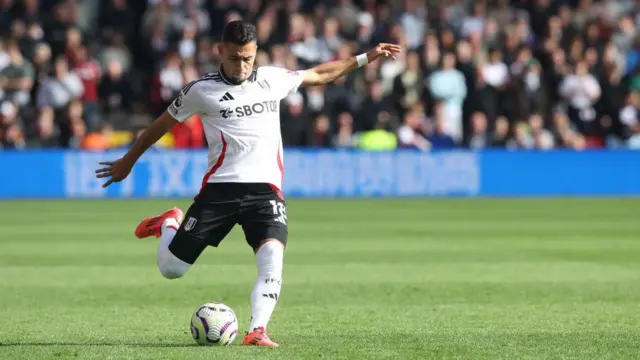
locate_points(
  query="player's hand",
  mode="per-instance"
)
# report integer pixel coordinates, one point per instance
(117, 171)
(384, 49)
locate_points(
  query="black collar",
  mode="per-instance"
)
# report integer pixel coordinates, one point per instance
(228, 81)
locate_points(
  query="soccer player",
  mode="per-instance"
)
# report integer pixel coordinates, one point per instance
(239, 108)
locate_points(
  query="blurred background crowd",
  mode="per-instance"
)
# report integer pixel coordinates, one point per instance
(536, 74)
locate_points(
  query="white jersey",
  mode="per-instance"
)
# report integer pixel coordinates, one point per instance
(241, 123)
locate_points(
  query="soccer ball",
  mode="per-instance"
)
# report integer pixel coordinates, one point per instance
(214, 324)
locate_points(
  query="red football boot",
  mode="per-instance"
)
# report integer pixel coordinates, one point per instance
(152, 226)
(259, 337)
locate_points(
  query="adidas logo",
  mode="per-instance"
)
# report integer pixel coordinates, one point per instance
(272, 296)
(226, 97)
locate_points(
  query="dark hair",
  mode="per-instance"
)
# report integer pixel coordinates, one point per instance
(239, 32)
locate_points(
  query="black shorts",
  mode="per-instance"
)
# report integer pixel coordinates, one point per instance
(259, 208)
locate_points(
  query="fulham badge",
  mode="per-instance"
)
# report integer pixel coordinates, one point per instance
(190, 224)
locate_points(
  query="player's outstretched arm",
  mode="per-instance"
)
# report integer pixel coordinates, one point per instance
(118, 170)
(330, 71)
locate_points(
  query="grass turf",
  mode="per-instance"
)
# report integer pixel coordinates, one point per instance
(405, 279)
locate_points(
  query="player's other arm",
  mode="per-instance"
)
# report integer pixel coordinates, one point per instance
(118, 170)
(330, 71)
(150, 136)
(185, 105)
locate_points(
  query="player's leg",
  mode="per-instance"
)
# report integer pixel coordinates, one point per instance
(264, 222)
(181, 243)
(165, 227)
(170, 265)
(266, 290)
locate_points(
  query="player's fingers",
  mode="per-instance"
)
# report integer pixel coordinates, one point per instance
(389, 51)
(109, 163)
(103, 175)
(107, 183)
(103, 170)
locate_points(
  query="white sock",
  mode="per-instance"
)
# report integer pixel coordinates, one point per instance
(169, 229)
(266, 291)
(169, 265)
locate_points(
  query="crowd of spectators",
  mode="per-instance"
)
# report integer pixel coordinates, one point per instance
(534, 74)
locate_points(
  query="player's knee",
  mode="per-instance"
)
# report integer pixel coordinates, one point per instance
(170, 266)
(272, 248)
(269, 258)
(171, 273)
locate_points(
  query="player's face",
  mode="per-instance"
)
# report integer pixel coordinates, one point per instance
(237, 60)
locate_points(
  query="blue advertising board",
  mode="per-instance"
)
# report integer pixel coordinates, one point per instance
(337, 173)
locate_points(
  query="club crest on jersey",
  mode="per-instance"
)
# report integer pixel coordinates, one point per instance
(190, 224)
(178, 102)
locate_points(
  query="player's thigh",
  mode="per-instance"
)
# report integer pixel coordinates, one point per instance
(204, 225)
(264, 218)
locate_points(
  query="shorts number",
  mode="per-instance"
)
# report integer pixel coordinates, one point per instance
(279, 210)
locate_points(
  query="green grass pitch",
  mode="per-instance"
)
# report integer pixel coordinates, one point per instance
(369, 279)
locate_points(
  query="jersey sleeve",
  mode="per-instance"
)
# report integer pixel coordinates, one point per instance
(283, 81)
(185, 104)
